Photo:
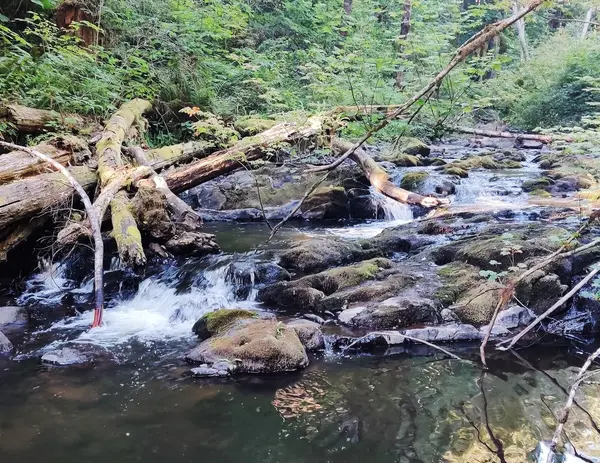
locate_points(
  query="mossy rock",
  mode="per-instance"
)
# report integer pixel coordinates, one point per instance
(327, 202)
(307, 292)
(403, 160)
(540, 193)
(413, 180)
(434, 162)
(537, 184)
(214, 322)
(411, 145)
(455, 171)
(254, 346)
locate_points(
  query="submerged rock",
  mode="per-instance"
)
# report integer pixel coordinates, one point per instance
(255, 346)
(5, 344)
(64, 357)
(219, 369)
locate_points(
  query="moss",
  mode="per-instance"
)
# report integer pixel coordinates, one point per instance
(217, 321)
(540, 193)
(403, 160)
(411, 145)
(456, 171)
(252, 126)
(412, 180)
(536, 184)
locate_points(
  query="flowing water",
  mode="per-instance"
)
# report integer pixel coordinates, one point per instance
(135, 403)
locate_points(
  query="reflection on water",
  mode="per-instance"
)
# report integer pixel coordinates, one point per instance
(381, 409)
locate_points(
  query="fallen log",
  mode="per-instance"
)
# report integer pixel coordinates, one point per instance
(30, 120)
(247, 149)
(20, 233)
(125, 231)
(546, 139)
(25, 198)
(40, 194)
(380, 179)
(19, 164)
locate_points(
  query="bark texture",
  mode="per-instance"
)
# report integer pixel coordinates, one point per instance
(30, 120)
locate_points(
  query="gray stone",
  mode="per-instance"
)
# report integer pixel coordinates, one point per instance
(445, 333)
(448, 316)
(509, 319)
(12, 315)
(204, 372)
(5, 344)
(309, 332)
(314, 318)
(65, 356)
(210, 197)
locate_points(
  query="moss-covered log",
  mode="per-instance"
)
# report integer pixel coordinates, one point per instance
(110, 165)
(30, 120)
(247, 149)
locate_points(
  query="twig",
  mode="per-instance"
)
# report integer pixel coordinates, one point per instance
(548, 312)
(461, 55)
(298, 206)
(565, 414)
(94, 223)
(410, 338)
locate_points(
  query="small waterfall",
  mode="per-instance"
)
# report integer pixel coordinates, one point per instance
(47, 286)
(393, 211)
(165, 307)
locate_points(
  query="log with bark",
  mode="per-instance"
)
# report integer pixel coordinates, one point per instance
(380, 179)
(30, 120)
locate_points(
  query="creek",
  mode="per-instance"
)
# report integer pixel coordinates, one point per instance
(136, 403)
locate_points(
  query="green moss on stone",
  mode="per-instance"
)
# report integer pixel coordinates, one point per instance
(215, 322)
(412, 180)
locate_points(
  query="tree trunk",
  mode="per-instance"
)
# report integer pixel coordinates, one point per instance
(30, 120)
(520, 25)
(380, 179)
(77, 11)
(348, 7)
(404, 31)
(588, 19)
(247, 149)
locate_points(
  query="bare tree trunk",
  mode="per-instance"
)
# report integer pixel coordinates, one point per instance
(404, 32)
(499, 134)
(588, 19)
(381, 180)
(520, 25)
(348, 7)
(95, 224)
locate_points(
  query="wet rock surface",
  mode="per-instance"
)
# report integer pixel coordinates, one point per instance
(5, 344)
(65, 356)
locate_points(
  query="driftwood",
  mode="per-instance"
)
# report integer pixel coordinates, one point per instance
(247, 149)
(472, 44)
(380, 180)
(30, 120)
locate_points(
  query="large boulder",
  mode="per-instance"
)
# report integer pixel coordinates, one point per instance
(395, 312)
(328, 202)
(255, 346)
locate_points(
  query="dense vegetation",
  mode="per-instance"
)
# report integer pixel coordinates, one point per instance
(235, 57)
